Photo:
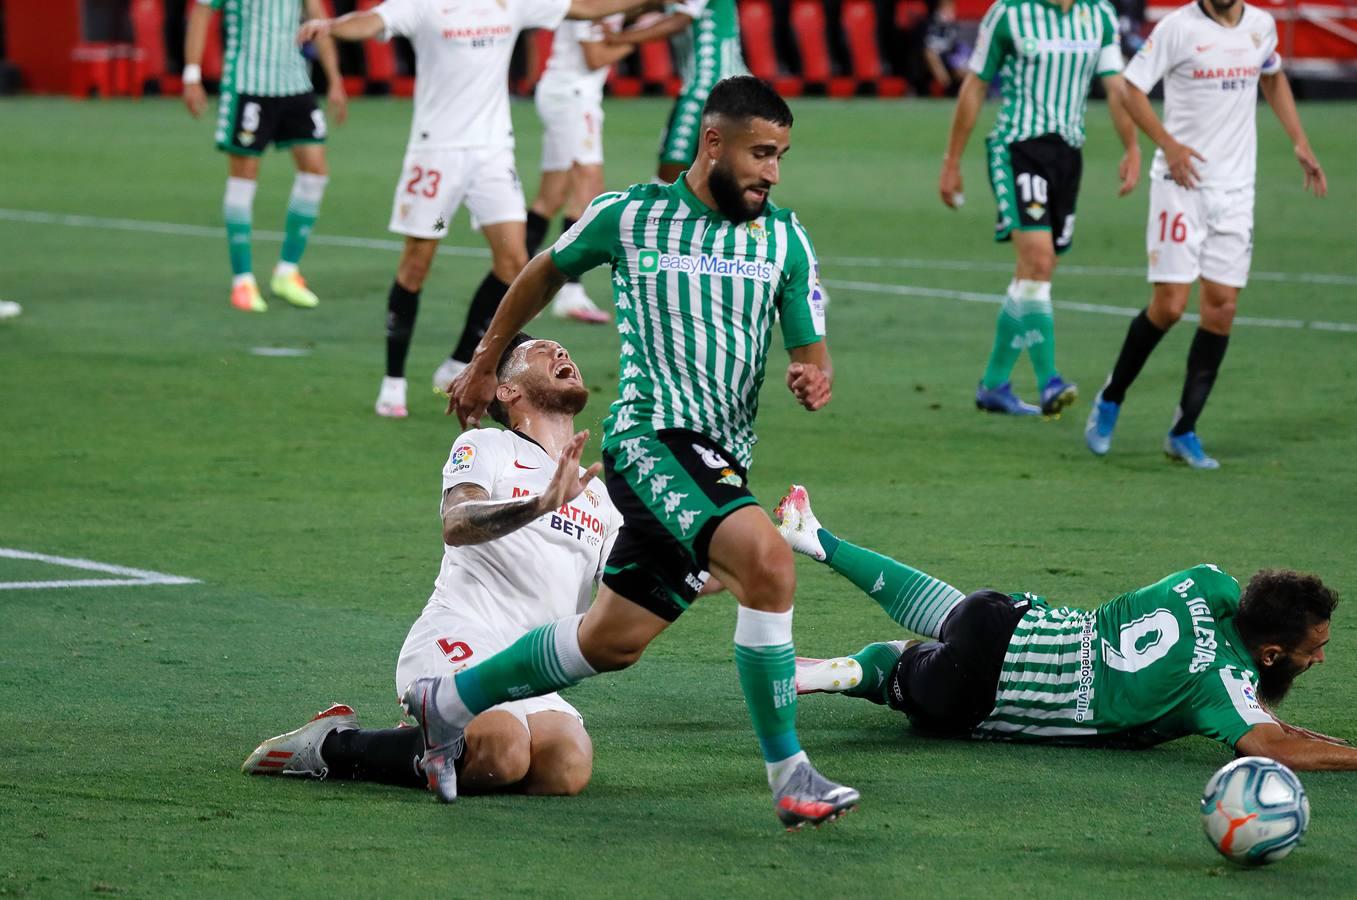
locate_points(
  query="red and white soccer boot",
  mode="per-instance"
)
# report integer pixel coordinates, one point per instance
(298, 752)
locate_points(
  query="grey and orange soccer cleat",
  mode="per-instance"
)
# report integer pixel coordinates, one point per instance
(808, 798)
(298, 752)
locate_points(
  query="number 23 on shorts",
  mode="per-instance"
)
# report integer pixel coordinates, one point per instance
(423, 182)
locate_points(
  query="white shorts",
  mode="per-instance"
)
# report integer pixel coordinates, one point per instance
(1205, 233)
(443, 641)
(572, 128)
(434, 183)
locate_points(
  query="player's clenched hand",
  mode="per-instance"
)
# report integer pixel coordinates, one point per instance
(809, 385)
(469, 395)
(312, 29)
(1314, 173)
(949, 183)
(567, 483)
(1181, 169)
(1129, 170)
(195, 99)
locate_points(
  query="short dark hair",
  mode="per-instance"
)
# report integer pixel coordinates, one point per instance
(1280, 606)
(496, 409)
(744, 97)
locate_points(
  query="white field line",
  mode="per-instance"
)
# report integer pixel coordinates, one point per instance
(176, 228)
(131, 576)
(906, 290)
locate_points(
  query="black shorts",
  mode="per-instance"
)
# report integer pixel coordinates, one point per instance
(247, 124)
(1036, 187)
(947, 686)
(673, 487)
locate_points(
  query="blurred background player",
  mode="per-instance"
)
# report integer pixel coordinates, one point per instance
(525, 534)
(266, 98)
(680, 437)
(944, 52)
(1047, 54)
(1212, 56)
(569, 99)
(461, 149)
(1188, 654)
(706, 43)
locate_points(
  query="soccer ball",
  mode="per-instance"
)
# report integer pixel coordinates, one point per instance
(1255, 811)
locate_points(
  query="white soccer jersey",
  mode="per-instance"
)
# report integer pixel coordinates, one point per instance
(1210, 76)
(566, 68)
(462, 53)
(545, 570)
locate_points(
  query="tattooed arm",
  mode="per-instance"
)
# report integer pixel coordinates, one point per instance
(471, 517)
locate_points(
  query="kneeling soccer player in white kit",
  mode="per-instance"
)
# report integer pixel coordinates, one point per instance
(526, 532)
(1212, 56)
(569, 100)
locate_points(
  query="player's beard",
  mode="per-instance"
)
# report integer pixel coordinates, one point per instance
(1274, 681)
(729, 195)
(553, 398)
(1222, 6)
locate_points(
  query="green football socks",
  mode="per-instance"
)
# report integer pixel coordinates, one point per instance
(544, 660)
(877, 661)
(303, 206)
(1008, 341)
(917, 601)
(766, 662)
(238, 210)
(1038, 326)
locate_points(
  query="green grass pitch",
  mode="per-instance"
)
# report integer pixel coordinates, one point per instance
(137, 429)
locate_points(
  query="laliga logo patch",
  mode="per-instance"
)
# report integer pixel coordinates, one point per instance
(462, 457)
(1249, 695)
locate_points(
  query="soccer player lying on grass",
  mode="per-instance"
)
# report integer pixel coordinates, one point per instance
(1188, 654)
(526, 531)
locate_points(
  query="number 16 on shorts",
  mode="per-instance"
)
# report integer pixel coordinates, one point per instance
(1199, 233)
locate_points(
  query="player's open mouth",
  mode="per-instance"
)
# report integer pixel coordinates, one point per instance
(566, 371)
(758, 195)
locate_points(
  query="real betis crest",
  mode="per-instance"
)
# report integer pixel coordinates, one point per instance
(730, 477)
(1028, 46)
(758, 232)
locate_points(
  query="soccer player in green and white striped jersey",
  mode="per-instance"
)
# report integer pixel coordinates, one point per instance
(1189, 654)
(1046, 52)
(266, 98)
(700, 269)
(706, 44)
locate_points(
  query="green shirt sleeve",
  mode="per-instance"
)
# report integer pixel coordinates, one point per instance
(993, 43)
(1224, 705)
(1109, 57)
(593, 240)
(801, 302)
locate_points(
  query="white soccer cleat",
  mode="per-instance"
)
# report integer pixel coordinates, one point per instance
(827, 676)
(298, 752)
(391, 399)
(573, 303)
(443, 375)
(9, 309)
(798, 524)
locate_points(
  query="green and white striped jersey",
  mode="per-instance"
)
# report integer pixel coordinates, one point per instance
(262, 57)
(1152, 665)
(1047, 58)
(709, 49)
(696, 296)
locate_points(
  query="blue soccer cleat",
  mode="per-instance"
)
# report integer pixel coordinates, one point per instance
(1188, 448)
(1057, 394)
(1101, 421)
(1003, 400)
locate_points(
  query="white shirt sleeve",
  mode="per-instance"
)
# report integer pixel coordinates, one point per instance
(477, 457)
(400, 17)
(541, 13)
(1155, 58)
(1272, 60)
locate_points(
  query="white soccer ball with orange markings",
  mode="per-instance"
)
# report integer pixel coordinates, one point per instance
(1255, 811)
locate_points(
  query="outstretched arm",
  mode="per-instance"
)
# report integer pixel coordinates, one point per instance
(470, 392)
(1129, 169)
(1305, 754)
(669, 25)
(597, 9)
(1277, 91)
(354, 26)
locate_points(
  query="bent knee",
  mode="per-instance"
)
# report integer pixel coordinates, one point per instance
(499, 755)
(562, 767)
